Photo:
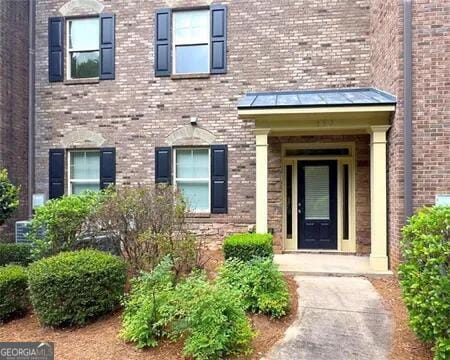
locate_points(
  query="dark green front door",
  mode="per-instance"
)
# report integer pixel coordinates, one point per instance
(317, 204)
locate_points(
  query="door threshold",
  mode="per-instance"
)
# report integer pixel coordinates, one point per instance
(318, 251)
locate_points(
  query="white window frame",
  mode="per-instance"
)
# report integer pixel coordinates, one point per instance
(194, 180)
(80, 181)
(175, 43)
(69, 51)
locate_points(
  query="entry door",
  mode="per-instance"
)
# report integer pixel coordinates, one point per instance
(317, 204)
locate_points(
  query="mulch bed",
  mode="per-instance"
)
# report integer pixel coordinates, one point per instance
(99, 340)
(405, 344)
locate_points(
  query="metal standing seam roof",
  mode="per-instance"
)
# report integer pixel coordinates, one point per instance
(316, 98)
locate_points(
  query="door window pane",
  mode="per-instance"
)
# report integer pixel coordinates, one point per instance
(317, 193)
(191, 59)
(289, 201)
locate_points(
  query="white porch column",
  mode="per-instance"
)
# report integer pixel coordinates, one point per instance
(261, 180)
(378, 198)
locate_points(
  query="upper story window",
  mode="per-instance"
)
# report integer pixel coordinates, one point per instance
(191, 42)
(84, 171)
(83, 50)
(85, 45)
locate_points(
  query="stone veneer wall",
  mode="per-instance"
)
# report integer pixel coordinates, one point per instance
(275, 211)
(14, 102)
(272, 45)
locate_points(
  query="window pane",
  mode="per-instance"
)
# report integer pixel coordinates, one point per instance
(191, 27)
(196, 195)
(78, 188)
(289, 201)
(84, 64)
(191, 59)
(85, 165)
(84, 34)
(317, 193)
(345, 204)
(193, 164)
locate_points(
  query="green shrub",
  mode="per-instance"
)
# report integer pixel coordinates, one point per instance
(57, 224)
(73, 287)
(19, 254)
(424, 276)
(260, 284)
(210, 317)
(13, 291)
(247, 246)
(142, 318)
(9, 197)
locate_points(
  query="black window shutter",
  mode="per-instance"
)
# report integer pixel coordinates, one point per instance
(107, 167)
(56, 49)
(219, 179)
(163, 165)
(56, 173)
(218, 39)
(107, 46)
(163, 42)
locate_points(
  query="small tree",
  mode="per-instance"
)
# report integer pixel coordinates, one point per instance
(9, 197)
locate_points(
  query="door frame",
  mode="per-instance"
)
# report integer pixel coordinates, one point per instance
(343, 245)
(332, 192)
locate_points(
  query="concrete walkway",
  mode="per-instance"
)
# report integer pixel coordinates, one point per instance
(339, 318)
(326, 265)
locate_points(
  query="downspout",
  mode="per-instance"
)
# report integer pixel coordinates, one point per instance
(31, 102)
(407, 96)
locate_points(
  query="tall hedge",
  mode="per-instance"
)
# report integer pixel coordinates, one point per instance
(425, 278)
(72, 288)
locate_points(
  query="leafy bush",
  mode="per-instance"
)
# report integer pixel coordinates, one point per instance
(142, 318)
(73, 287)
(424, 276)
(19, 254)
(13, 291)
(247, 246)
(57, 225)
(210, 317)
(260, 283)
(9, 197)
(147, 223)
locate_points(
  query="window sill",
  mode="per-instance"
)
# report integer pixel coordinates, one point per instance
(193, 215)
(81, 81)
(189, 76)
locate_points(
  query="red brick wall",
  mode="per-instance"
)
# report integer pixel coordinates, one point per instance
(14, 101)
(272, 45)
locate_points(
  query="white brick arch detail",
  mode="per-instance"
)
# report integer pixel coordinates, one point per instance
(82, 138)
(190, 135)
(81, 7)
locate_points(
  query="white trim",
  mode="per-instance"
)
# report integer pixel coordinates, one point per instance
(193, 180)
(175, 43)
(80, 181)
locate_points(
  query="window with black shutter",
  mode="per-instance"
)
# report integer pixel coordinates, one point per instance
(191, 41)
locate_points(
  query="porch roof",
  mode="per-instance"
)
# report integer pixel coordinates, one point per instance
(366, 96)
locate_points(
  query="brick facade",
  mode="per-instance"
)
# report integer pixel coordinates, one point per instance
(282, 49)
(272, 45)
(14, 101)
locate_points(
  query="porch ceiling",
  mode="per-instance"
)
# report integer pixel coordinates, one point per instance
(319, 111)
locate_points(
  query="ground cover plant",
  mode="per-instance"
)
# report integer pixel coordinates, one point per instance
(72, 288)
(424, 276)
